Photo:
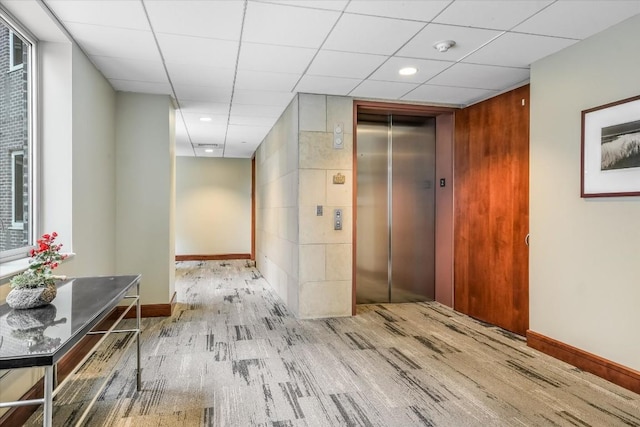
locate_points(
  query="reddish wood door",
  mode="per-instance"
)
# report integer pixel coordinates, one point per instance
(491, 213)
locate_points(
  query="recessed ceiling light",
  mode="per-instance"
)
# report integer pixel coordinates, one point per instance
(408, 71)
(205, 119)
(208, 150)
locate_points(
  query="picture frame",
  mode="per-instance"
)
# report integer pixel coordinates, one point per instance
(610, 149)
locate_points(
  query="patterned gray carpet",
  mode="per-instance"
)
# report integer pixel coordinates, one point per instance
(233, 356)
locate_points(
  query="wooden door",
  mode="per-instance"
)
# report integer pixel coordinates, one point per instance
(491, 213)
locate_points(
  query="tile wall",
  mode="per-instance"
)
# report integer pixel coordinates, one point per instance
(299, 253)
(324, 253)
(277, 207)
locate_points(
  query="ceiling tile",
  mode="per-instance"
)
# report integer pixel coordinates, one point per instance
(331, 63)
(250, 134)
(495, 14)
(181, 130)
(130, 69)
(368, 34)
(261, 80)
(313, 4)
(262, 97)
(201, 136)
(203, 152)
(579, 19)
(200, 130)
(382, 90)
(214, 19)
(326, 85)
(276, 59)
(115, 42)
(122, 14)
(193, 118)
(480, 76)
(518, 50)
(273, 111)
(448, 95)
(242, 151)
(206, 76)
(252, 121)
(287, 26)
(204, 107)
(412, 10)
(220, 94)
(426, 69)
(198, 51)
(467, 40)
(142, 87)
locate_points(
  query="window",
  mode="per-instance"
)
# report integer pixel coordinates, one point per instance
(16, 51)
(17, 198)
(16, 141)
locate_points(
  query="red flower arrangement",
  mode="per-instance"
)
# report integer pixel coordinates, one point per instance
(45, 257)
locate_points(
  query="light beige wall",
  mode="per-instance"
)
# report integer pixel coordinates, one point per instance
(276, 207)
(213, 206)
(77, 174)
(94, 168)
(324, 253)
(144, 199)
(584, 253)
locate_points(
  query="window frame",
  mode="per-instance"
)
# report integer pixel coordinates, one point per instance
(31, 158)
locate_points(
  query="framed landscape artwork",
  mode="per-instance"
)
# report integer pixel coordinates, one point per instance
(611, 149)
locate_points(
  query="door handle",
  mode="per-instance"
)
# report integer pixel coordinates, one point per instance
(526, 240)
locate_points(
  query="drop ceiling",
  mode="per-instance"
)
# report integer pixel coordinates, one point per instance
(239, 63)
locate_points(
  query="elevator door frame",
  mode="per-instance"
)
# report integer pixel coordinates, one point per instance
(444, 195)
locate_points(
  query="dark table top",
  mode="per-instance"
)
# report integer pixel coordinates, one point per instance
(41, 336)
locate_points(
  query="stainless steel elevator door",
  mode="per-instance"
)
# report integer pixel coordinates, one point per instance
(372, 248)
(395, 228)
(412, 209)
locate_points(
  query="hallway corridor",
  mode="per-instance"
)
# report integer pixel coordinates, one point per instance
(232, 355)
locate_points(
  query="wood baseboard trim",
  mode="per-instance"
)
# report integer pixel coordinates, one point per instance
(220, 257)
(610, 371)
(19, 415)
(149, 310)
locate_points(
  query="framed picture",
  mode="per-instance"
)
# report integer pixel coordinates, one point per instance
(611, 149)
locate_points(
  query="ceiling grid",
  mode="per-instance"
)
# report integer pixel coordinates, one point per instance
(238, 63)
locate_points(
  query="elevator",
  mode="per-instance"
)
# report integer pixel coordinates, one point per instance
(395, 208)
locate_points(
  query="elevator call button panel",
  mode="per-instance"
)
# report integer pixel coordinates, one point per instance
(337, 219)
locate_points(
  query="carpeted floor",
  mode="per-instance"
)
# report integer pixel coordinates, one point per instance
(233, 356)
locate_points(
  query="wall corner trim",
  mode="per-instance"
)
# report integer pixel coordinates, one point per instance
(610, 371)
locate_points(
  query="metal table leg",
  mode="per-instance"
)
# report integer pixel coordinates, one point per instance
(138, 372)
(47, 415)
